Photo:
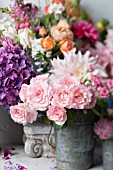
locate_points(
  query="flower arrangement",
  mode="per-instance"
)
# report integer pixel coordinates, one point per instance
(60, 92)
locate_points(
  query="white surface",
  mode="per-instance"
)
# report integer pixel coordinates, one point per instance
(19, 157)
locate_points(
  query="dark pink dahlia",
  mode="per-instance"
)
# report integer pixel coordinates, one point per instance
(85, 30)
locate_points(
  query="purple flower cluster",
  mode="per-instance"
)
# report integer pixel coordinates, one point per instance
(15, 69)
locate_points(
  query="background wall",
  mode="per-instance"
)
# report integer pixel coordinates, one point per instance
(11, 132)
(98, 9)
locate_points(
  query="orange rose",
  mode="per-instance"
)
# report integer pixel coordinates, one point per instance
(42, 31)
(47, 43)
(62, 31)
(58, 1)
(66, 45)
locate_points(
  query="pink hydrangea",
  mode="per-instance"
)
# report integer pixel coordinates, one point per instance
(22, 114)
(104, 129)
(84, 29)
(57, 114)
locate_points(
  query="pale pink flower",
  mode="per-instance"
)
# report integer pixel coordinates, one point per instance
(69, 80)
(39, 78)
(80, 97)
(39, 94)
(61, 96)
(23, 92)
(103, 92)
(22, 114)
(104, 129)
(57, 114)
(109, 83)
(77, 65)
(93, 101)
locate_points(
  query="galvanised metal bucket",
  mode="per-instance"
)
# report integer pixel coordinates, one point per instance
(74, 146)
(108, 154)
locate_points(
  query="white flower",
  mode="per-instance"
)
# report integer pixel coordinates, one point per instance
(9, 27)
(56, 8)
(36, 47)
(25, 37)
(77, 65)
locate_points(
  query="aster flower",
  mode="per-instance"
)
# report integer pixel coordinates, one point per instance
(86, 30)
(15, 69)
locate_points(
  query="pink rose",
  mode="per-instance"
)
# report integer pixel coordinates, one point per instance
(61, 96)
(22, 114)
(38, 78)
(110, 83)
(103, 92)
(39, 95)
(69, 81)
(94, 95)
(80, 97)
(23, 92)
(57, 114)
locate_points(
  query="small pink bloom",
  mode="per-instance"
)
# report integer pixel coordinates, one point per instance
(22, 114)
(80, 97)
(23, 92)
(57, 114)
(97, 81)
(104, 129)
(94, 95)
(110, 83)
(61, 96)
(103, 92)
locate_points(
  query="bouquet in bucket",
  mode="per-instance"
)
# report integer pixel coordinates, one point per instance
(68, 87)
(48, 40)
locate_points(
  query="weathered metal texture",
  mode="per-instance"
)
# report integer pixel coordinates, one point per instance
(74, 147)
(108, 154)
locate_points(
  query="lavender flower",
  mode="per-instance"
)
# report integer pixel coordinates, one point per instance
(15, 69)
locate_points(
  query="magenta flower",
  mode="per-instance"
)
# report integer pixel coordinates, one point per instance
(86, 30)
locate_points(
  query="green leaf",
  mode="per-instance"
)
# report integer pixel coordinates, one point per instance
(57, 126)
(46, 121)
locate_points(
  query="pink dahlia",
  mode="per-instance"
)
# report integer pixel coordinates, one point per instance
(104, 129)
(84, 29)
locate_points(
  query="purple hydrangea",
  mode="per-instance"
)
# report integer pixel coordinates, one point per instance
(15, 69)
